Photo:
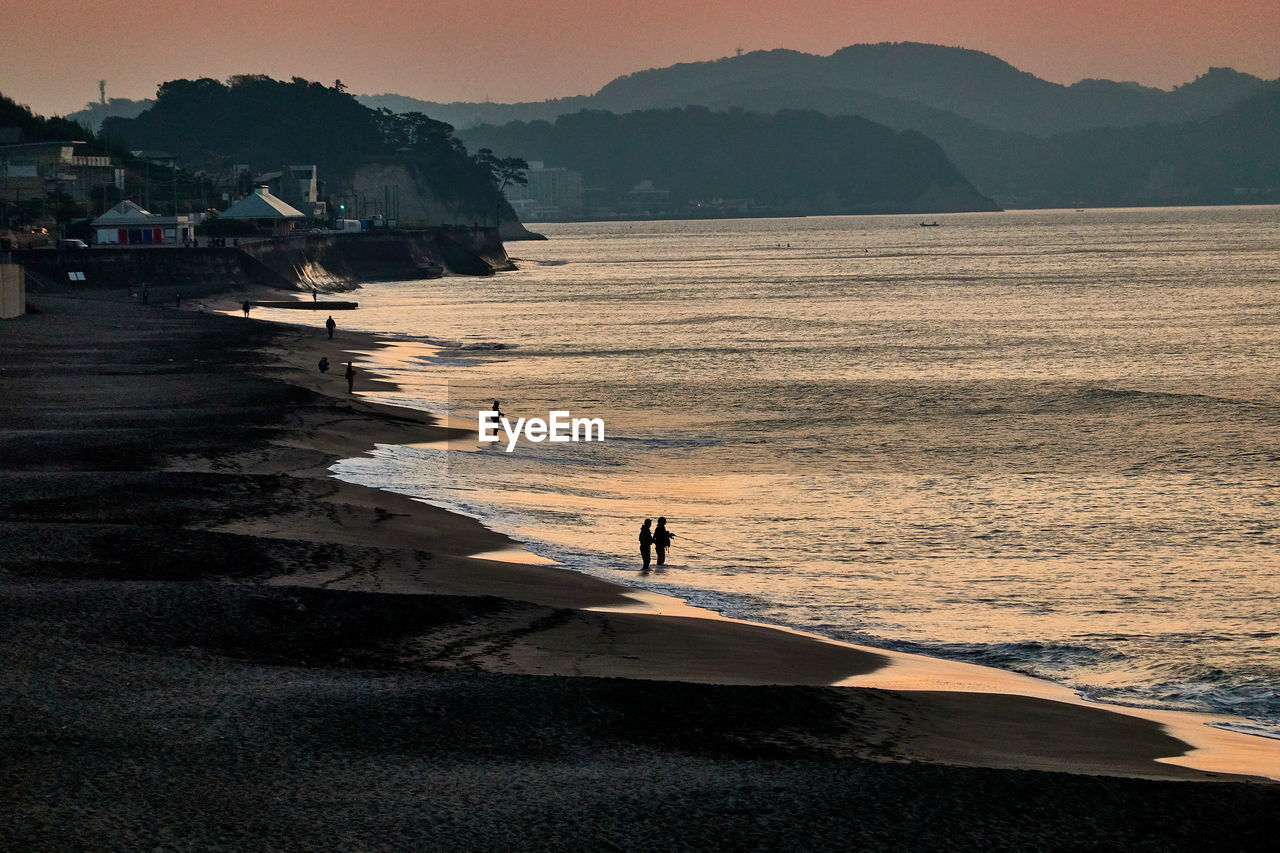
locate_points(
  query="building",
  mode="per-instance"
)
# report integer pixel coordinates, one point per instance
(35, 169)
(299, 187)
(157, 158)
(128, 224)
(265, 211)
(85, 174)
(553, 193)
(645, 199)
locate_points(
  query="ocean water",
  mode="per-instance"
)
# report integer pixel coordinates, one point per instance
(1045, 441)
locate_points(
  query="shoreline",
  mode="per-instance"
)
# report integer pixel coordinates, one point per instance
(1211, 746)
(196, 609)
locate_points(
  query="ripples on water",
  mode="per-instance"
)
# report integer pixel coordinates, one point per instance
(1045, 441)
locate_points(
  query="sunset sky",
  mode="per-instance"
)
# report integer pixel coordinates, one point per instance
(52, 54)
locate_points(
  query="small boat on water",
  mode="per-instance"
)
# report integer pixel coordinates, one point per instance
(933, 224)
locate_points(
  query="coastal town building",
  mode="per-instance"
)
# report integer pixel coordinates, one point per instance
(299, 187)
(130, 225)
(157, 158)
(268, 213)
(550, 194)
(646, 199)
(36, 169)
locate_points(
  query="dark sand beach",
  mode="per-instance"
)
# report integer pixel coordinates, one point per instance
(210, 644)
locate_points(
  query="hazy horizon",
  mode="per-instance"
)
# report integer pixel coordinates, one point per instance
(539, 51)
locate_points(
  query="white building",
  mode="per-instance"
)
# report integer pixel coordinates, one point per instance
(129, 225)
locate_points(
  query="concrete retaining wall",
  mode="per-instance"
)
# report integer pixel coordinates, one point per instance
(13, 291)
(207, 270)
(298, 262)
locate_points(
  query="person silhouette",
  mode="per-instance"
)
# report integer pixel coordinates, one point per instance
(245, 308)
(351, 378)
(662, 539)
(323, 364)
(330, 325)
(646, 543)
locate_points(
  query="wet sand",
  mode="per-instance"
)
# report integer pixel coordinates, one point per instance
(210, 643)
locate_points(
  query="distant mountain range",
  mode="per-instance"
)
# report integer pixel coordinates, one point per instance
(1019, 139)
(1023, 140)
(885, 82)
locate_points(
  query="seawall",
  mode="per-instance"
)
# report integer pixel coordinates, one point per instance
(209, 270)
(326, 261)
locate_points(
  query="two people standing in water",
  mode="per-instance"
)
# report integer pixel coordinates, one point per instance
(659, 538)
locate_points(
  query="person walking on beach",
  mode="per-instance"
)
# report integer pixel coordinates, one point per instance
(351, 378)
(646, 543)
(330, 325)
(245, 308)
(662, 539)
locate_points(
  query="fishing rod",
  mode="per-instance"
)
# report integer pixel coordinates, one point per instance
(683, 538)
(680, 539)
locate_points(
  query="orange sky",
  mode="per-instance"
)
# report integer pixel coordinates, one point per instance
(53, 53)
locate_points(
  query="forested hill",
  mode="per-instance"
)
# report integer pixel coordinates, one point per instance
(967, 83)
(208, 124)
(254, 120)
(1230, 158)
(37, 128)
(898, 79)
(792, 162)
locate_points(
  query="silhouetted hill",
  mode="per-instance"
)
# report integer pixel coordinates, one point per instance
(209, 125)
(968, 83)
(790, 162)
(904, 76)
(1217, 89)
(464, 114)
(36, 128)
(1229, 158)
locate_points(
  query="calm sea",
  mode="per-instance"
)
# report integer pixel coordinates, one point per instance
(1045, 441)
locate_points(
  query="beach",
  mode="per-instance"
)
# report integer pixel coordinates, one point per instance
(211, 643)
